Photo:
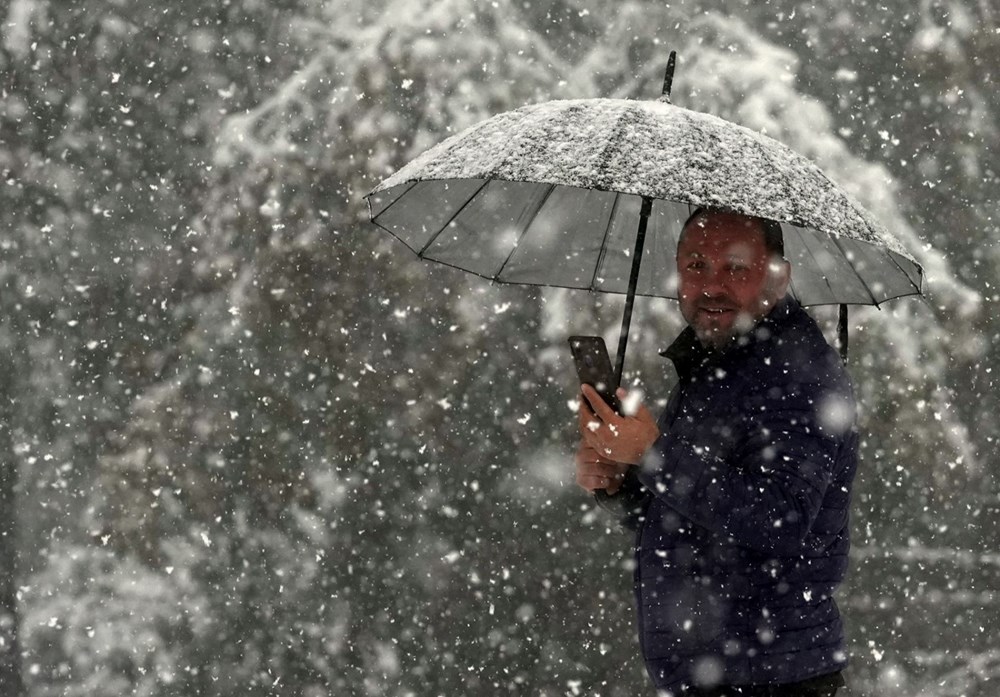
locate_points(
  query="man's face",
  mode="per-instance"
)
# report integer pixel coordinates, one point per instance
(727, 278)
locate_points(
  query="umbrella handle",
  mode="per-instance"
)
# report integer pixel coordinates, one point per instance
(604, 500)
(842, 332)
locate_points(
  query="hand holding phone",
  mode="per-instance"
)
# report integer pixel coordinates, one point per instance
(620, 438)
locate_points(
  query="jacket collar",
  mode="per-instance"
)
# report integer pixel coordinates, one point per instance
(687, 353)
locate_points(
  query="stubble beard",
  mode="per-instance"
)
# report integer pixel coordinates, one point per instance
(715, 335)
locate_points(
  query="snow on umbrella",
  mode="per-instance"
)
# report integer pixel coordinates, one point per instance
(592, 194)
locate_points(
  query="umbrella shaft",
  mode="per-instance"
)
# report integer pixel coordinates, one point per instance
(842, 332)
(633, 282)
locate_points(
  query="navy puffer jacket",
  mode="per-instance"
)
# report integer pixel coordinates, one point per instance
(741, 510)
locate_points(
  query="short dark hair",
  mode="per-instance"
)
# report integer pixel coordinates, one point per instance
(774, 240)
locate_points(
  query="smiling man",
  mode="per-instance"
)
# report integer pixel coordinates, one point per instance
(732, 273)
(740, 492)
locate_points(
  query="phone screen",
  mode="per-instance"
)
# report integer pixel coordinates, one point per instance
(593, 367)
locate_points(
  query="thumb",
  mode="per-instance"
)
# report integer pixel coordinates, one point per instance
(639, 410)
(631, 402)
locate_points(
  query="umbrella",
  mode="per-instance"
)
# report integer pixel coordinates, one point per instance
(592, 194)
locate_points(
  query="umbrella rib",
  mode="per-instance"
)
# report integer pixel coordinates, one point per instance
(450, 220)
(530, 219)
(819, 268)
(920, 269)
(888, 253)
(604, 242)
(394, 201)
(627, 118)
(864, 283)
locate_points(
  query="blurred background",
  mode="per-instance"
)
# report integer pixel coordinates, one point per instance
(250, 445)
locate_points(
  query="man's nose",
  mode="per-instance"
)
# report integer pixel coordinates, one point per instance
(714, 284)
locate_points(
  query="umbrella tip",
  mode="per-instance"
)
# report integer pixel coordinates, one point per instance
(668, 77)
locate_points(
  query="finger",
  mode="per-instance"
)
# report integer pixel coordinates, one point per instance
(600, 456)
(593, 483)
(589, 461)
(588, 421)
(600, 407)
(631, 402)
(584, 414)
(600, 469)
(587, 455)
(595, 440)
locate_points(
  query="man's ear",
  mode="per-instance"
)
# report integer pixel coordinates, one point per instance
(779, 273)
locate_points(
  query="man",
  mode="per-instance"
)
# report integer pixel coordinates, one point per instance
(740, 492)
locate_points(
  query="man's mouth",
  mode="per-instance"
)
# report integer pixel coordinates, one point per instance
(715, 310)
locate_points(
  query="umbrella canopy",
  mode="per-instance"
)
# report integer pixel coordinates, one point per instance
(551, 194)
(566, 193)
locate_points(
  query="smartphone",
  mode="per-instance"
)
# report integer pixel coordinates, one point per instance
(593, 367)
